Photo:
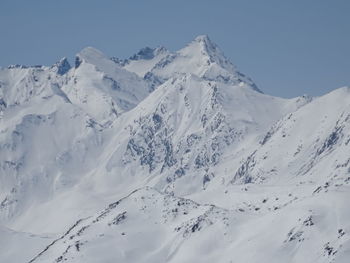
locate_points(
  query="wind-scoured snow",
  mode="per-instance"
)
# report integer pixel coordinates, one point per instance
(168, 157)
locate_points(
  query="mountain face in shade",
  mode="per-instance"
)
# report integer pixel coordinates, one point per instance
(168, 157)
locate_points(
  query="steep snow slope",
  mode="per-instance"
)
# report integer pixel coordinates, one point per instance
(174, 140)
(311, 143)
(102, 88)
(97, 85)
(184, 128)
(187, 126)
(75, 139)
(18, 84)
(51, 124)
(148, 226)
(202, 58)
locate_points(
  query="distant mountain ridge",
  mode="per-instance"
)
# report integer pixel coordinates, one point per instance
(168, 157)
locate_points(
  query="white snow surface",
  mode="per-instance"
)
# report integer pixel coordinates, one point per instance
(143, 65)
(169, 157)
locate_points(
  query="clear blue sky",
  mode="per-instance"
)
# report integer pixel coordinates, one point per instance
(288, 48)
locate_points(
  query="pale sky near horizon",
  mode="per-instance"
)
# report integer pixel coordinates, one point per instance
(289, 48)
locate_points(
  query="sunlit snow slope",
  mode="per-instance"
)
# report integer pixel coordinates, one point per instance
(169, 157)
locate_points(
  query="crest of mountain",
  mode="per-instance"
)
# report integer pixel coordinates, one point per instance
(96, 84)
(168, 157)
(201, 57)
(101, 87)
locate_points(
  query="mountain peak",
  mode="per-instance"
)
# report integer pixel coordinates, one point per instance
(203, 48)
(89, 55)
(206, 45)
(107, 155)
(202, 39)
(62, 66)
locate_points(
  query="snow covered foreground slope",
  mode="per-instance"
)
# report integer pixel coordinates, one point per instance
(168, 157)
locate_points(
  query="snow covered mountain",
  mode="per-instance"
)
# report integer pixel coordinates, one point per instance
(168, 157)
